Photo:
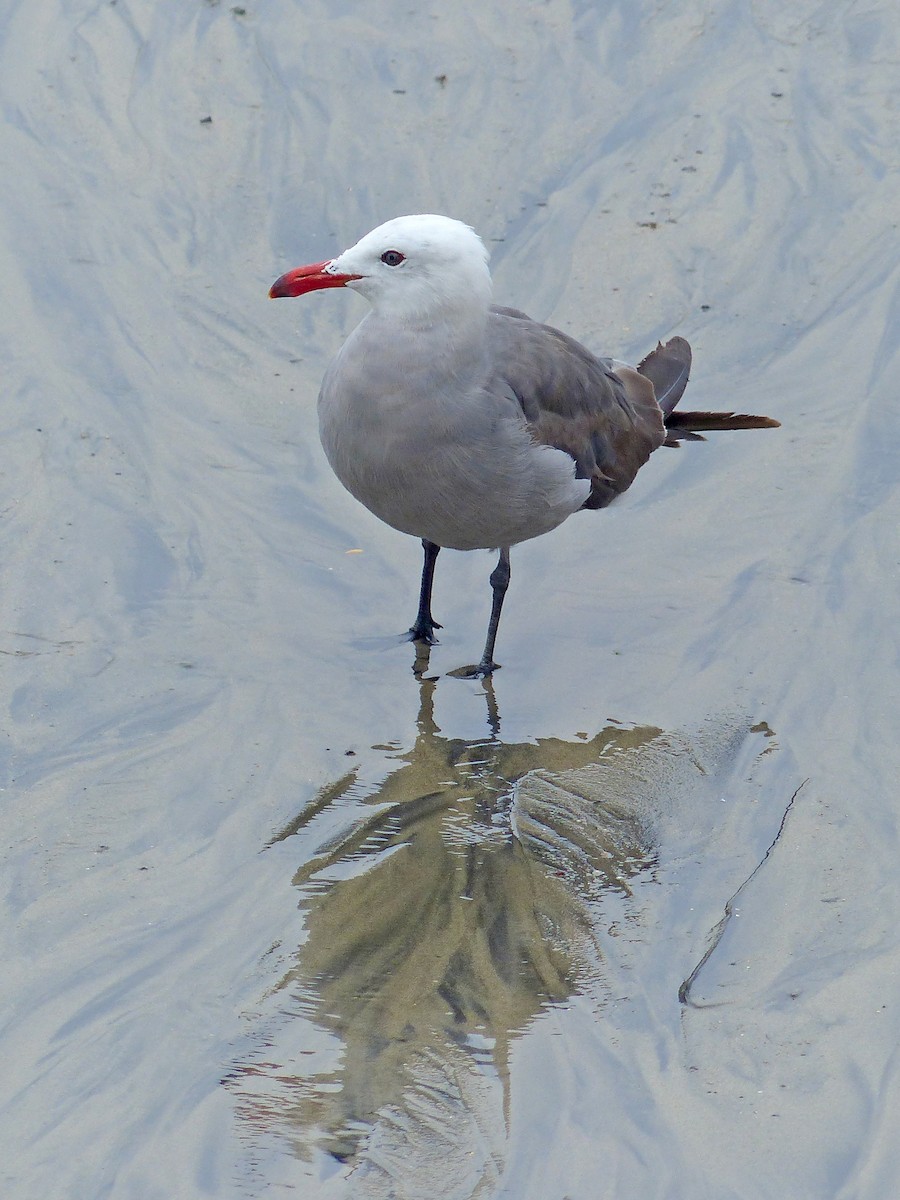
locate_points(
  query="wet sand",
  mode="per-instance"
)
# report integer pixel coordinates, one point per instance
(281, 917)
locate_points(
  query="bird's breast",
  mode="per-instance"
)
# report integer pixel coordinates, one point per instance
(444, 463)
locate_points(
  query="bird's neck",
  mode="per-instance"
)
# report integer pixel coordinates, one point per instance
(457, 305)
(458, 326)
(449, 348)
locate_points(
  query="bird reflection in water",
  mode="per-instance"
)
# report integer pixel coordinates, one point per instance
(440, 925)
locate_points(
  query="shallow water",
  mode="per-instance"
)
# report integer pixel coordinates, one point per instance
(280, 917)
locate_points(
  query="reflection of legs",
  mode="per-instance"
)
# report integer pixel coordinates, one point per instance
(499, 582)
(493, 710)
(423, 630)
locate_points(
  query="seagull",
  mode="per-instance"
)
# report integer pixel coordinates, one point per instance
(471, 426)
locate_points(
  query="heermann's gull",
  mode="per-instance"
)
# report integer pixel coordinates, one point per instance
(471, 426)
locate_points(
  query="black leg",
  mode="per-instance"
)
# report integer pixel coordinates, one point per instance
(499, 582)
(423, 630)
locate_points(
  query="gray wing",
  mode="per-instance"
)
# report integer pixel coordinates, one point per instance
(607, 420)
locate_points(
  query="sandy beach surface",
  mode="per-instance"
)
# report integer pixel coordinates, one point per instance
(282, 916)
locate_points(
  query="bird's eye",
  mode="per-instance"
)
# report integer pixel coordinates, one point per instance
(393, 258)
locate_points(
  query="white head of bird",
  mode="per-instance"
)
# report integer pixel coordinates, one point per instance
(415, 270)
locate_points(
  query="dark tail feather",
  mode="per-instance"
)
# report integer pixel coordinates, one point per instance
(676, 436)
(668, 368)
(684, 426)
(695, 421)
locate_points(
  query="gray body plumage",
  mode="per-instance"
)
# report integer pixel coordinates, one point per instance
(485, 435)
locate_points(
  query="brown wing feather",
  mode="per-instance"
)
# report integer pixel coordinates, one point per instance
(608, 421)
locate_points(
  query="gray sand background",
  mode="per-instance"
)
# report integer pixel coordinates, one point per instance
(279, 919)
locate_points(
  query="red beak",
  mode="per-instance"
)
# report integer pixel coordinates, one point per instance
(307, 279)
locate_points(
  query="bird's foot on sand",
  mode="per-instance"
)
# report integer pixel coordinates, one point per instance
(423, 631)
(476, 671)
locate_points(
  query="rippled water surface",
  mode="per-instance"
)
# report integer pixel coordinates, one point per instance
(281, 917)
